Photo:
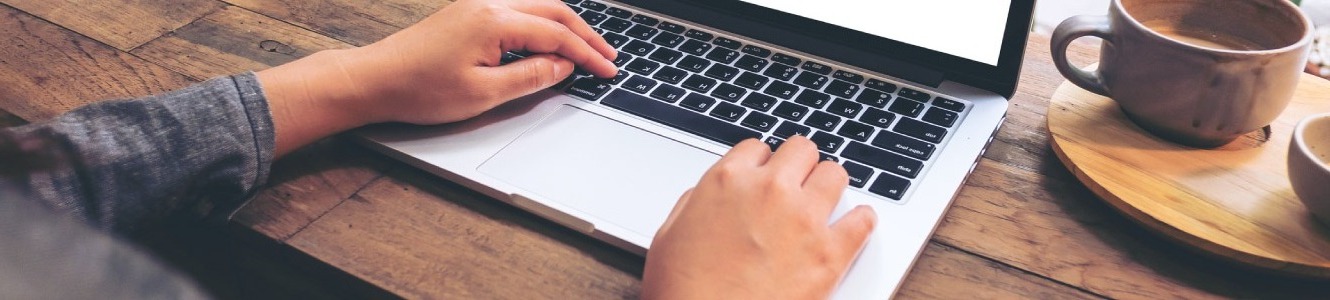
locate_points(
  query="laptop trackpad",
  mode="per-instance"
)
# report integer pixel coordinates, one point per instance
(601, 167)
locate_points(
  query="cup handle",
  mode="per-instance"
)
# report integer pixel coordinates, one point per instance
(1070, 30)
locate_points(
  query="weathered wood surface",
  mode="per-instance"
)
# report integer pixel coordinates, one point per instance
(1022, 228)
(123, 24)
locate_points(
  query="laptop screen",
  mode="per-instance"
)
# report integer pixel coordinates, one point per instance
(971, 29)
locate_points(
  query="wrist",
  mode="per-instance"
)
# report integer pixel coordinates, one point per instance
(312, 98)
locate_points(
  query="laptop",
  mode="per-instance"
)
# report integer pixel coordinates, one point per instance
(905, 94)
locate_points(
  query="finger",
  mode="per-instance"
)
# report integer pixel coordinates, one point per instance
(750, 152)
(559, 12)
(825, 185)
(674, 213)
(539, 35)
(794, 160)
(526, 76)
(851, 233)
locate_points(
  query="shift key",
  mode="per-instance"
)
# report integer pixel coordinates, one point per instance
(678, 117)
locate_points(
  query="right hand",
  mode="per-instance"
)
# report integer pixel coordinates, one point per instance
(756, 227)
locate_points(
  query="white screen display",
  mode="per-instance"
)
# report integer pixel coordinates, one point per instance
(971, 29)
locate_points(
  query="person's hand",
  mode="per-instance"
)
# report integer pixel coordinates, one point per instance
(756, 227)
(441, 70)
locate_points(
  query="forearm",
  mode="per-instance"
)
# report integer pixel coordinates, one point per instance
(207, 147)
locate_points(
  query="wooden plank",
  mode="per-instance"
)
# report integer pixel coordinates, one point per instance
(46, 70)
(353, 21)
(944, 272)
(1023, 208)
(10, 120)
(231, 41)
(123, 24)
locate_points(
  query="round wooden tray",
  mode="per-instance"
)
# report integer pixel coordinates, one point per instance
(1235, 201)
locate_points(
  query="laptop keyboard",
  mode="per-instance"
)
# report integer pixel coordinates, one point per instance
(719, 88)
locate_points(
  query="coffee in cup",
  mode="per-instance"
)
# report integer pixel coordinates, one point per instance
(1197, 72)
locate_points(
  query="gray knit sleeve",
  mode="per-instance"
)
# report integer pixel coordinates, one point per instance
(205, 148)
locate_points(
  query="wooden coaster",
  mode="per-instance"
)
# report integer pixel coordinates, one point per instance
(1235, 201)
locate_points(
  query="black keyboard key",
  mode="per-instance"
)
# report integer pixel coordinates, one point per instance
(774, 143)
(698, 102)
(823, 121)
(620, 77)
(699, 83)
(904, 145)
(756, 51)
(940, 117)
(616, 25)
(671, 75)
(694, 63)
(874, 98)
(845, 108)
(810, 80)
(645, 20)
(671, 27)
(828, 157)
(668, 40)
(722, 55)
(827, 142)
(909, 93)
(786, 59)
(859, 174)
(759, 101)
(813, 99)
(642, 66)
(577, 9)
(949, 104)
(882, 159)
(791, 111)
(695, 47)
(877, 117)
(781, 71)
(592, 18)
(751, 80)
(588, 88)
(572, 1)
(699, 35)
(842, 89)
(906, 107)
(729, 92)
(642, 32)
(856, 131)
(622, 59)
(666, 56)
(727, 43)
(752, 63)
(668, 93)
(676, 117)
(849, 77)
(615, 39)
(881, 85)
(890, 186)
(596, 6)
(817, 68)
(639, 84)
(782, 90)
(760, 121)
(920, 130)
(509, 57)
(788, 129)
(619, 12)
(722, 72)
(728, 112)
(639, 48)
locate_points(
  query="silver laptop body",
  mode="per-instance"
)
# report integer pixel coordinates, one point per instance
(615, 173)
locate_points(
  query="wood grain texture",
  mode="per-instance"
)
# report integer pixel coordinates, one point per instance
(353, 21)
(46, 70)
(1234, 201)
(233, 40)
(123, 24)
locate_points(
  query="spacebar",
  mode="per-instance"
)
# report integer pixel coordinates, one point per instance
(678, 117)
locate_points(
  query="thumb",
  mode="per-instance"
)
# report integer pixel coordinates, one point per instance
(852, 231)
(529, 75)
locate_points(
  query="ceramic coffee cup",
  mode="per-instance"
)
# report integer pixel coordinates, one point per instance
(1197, 72)
(1309, 164)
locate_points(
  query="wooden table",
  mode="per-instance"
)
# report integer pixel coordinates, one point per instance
(1021, 228)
